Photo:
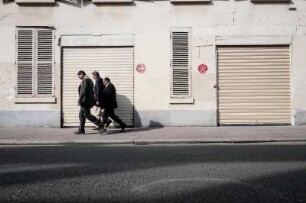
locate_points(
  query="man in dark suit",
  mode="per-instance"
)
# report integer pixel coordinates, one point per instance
(98, 91)
(110, 103)
(86, 101)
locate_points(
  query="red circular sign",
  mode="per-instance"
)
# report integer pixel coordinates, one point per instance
(202, 68)
(141, 68)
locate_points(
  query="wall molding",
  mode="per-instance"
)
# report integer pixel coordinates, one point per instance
(96, 40)
(254, 40)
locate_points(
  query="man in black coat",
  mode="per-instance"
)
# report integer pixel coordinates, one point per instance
(98, 91)
(110, 103)
(86, 101)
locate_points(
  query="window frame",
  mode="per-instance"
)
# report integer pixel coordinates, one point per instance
(35, 95)
(176, 99)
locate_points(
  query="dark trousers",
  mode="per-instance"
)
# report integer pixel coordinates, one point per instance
(111, 113)
(102, 115)
(85, 114)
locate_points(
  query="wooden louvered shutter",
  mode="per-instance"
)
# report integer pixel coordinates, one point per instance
(180, 64)
(25, 61)
(44, 60)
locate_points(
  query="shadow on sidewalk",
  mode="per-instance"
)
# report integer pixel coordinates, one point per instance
(116, 131)
(127, 130)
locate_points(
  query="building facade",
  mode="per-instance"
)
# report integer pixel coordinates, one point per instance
(174, 63)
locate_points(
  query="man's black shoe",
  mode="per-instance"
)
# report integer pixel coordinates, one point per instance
(103, 131)
(99, 127)
(79, 132)
(123, 128)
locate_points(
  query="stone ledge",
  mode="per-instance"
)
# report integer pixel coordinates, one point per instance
(181, 101)
(270, 1)
(97, 40)
(111, 1)
(35, 1)
(35, 100)
(190, 1)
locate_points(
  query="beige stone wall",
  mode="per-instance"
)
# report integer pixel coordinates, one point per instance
(150, 22)
(298, 82)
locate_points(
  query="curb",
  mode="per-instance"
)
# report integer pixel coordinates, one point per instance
(157, 142)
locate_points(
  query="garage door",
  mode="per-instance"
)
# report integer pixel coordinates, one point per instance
(254, 85)
(113, 62)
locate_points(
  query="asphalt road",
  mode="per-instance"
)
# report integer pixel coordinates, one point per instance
(237, 173)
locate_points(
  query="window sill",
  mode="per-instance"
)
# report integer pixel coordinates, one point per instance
(35, 1)
(181, 101)
(111, 1)
(35, 100)
(270, 1)
(190, 1)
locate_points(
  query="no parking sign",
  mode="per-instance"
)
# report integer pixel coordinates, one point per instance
(141, 68)
(202, 68)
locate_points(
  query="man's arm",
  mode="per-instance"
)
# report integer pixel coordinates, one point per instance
(83, 91)
(98, 91)
(112, 89)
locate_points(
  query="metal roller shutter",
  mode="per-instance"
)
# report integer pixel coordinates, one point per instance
(254, 85)
(113, 62)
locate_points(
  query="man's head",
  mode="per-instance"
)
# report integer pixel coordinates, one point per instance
(81, 74)
(106, 80)
(95, 75)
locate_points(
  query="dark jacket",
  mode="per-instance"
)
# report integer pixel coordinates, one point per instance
(98, 90)
(86, 93)
(109, 100)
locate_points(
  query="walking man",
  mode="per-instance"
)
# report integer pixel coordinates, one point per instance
(98, 91)
(110, 103)
(86, 101)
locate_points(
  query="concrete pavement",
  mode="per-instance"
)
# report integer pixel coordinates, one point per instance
(154, 135)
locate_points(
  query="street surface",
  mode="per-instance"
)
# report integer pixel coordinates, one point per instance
(238, 173)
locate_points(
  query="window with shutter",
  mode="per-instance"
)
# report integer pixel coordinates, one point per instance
(180, 64)
(35, 60)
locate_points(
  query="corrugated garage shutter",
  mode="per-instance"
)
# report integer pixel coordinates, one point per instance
(113, 62)
(254, 85)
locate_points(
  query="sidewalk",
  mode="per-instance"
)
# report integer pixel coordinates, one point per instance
(173, 135)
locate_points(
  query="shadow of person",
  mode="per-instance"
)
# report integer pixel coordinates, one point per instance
(155, 124)
(125, 109)
(129, 115)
